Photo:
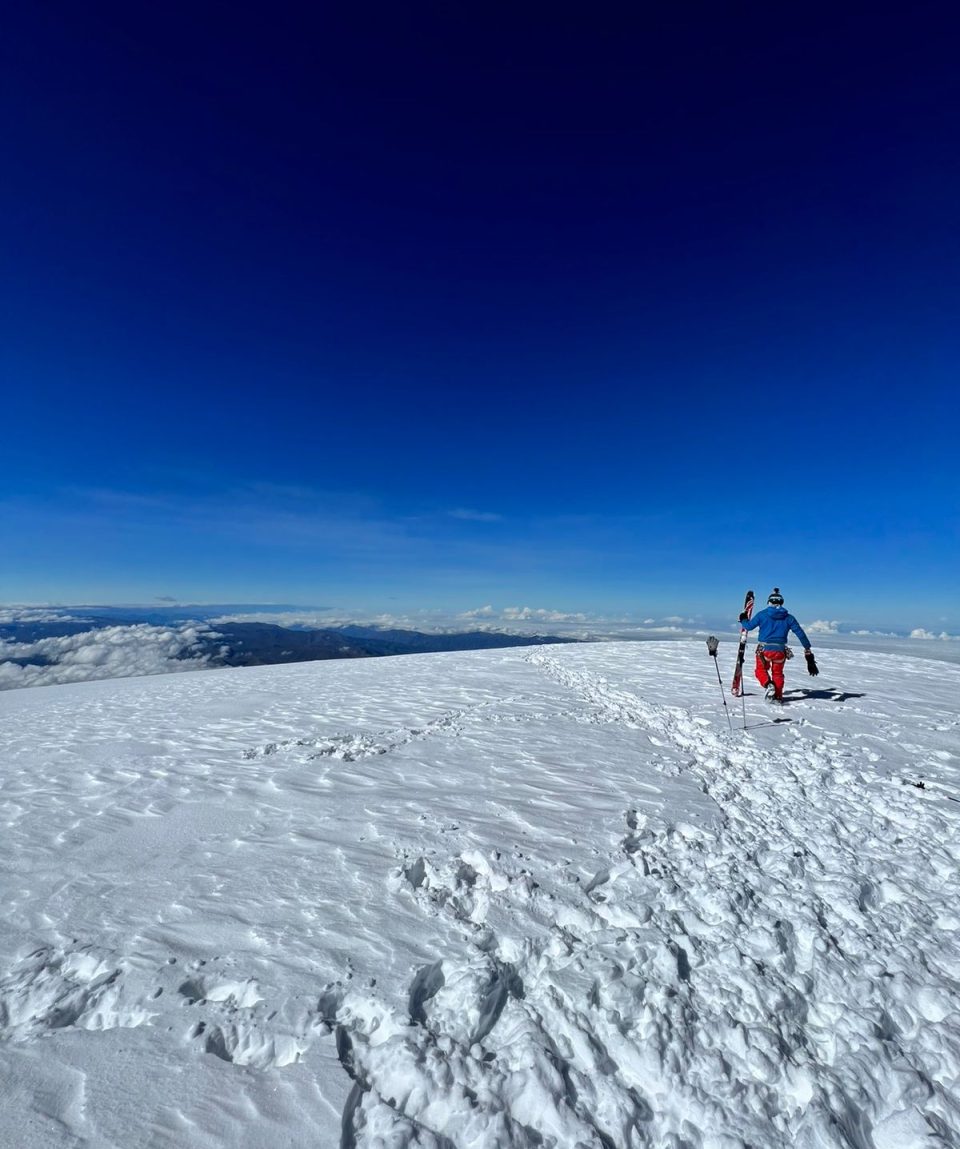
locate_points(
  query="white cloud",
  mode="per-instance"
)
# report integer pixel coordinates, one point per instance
(110, 652)
(822, 626)
(927, 634)
(481, 612)
(35, 614)
(527, 614)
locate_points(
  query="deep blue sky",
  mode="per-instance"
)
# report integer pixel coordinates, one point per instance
(381, 307)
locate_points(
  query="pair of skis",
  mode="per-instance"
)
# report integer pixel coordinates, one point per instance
(737, 688)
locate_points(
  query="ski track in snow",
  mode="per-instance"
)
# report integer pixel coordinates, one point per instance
(787, 974)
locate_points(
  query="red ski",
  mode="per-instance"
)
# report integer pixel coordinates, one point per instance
(737, 688)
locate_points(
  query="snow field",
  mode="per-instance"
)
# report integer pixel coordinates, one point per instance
(503, 898)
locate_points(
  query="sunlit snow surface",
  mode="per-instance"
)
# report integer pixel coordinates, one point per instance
(503, 898)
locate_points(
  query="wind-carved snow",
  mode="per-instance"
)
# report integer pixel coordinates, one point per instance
(760, 983)
(511, 899)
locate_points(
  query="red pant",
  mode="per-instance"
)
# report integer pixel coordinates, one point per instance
(770, 665)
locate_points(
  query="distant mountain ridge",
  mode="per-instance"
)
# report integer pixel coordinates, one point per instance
(265, 644)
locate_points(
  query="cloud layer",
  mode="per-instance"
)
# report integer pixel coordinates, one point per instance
(21, 614)
(144, 648)
(108, 652)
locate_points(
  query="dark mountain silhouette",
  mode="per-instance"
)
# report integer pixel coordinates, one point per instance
(263, 644)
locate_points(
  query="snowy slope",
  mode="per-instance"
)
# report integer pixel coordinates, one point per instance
(502, 898)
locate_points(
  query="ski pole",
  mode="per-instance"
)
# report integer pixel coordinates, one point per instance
(712, 643)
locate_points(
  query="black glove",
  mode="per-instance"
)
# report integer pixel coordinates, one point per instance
(744, 616)
(812, 669)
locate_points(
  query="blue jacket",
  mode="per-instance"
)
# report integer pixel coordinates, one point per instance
(775, 622)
